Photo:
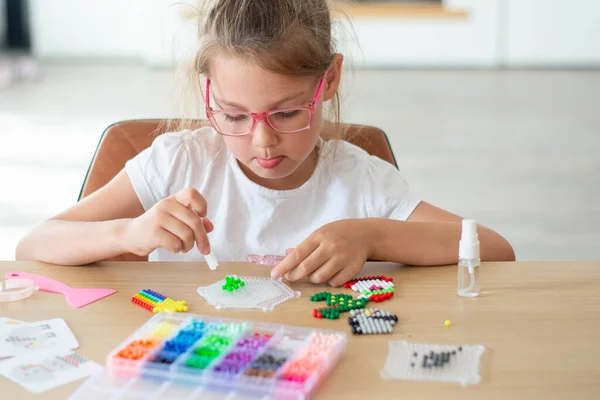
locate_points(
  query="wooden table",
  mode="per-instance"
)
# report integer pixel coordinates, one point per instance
(539, 322)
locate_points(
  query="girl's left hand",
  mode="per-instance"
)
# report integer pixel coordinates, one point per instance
(334, 253)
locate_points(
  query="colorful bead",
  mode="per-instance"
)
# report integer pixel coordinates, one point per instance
(156, 302)
(198, 362)
(244, 351)
(435, 360)
(267, 363)
(447, 323)
(320, 296)
(336, 304)
(232, 283)
(375, 288)
(310, 358)
(178, 345)
(381, 278)
(137, 349)
(162, 330)
(371, 321)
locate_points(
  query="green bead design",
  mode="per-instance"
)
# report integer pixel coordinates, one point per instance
(232, 283)
(329, 313)
(320, 296)
(337, 303)
(341, 299)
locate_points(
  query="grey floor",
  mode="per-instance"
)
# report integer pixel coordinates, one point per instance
(516, 150)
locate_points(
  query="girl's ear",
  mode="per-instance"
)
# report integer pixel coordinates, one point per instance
(333, 77)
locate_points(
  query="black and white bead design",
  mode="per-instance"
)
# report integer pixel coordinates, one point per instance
(371, 321)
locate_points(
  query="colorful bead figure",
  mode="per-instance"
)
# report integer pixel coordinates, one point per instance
(371, 321)
(232, 283)
(337, 303)
(375, 288)
(379, 280)
(156, 302)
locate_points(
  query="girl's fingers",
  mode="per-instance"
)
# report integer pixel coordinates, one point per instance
(182, 231)
(325, 272)
(307, 266)
(344, 275)
(195, 224)
(193, 199)
(294, 258)
(208, 226)
(169, 241)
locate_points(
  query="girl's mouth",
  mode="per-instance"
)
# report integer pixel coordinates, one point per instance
(269, 162)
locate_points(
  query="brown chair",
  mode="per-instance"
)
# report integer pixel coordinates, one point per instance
(124, 140)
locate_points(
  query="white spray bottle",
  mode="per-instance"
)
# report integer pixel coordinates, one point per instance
(468, 260)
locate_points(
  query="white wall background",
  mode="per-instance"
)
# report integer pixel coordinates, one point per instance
(393, 41)
(496, 33)
(552, 32)
(86, 29)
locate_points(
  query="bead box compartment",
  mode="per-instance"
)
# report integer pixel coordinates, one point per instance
(194, 356)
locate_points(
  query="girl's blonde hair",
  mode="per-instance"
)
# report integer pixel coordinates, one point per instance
(290, 37)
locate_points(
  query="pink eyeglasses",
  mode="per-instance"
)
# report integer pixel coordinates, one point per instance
(282, 120)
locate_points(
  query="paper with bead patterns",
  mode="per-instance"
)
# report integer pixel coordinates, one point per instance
(416, 361)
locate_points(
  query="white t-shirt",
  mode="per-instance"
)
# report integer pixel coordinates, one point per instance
(251, 219)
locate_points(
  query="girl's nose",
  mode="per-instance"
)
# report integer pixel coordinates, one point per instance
(264, 136)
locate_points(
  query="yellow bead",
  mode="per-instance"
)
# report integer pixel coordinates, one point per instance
(447, 322)
(367, 313)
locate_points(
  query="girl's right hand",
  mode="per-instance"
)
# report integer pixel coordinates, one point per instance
(175, 223)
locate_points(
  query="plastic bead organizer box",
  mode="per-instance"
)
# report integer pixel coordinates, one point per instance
(182, 355)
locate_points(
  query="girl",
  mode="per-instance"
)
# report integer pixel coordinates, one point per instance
(262, 178)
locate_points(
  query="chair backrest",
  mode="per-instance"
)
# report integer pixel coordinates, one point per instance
(124, 140)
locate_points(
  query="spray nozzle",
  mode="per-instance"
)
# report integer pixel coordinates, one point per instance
(469, 241)
(469, 231)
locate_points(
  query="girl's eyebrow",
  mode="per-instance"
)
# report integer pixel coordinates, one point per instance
(221, 102)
